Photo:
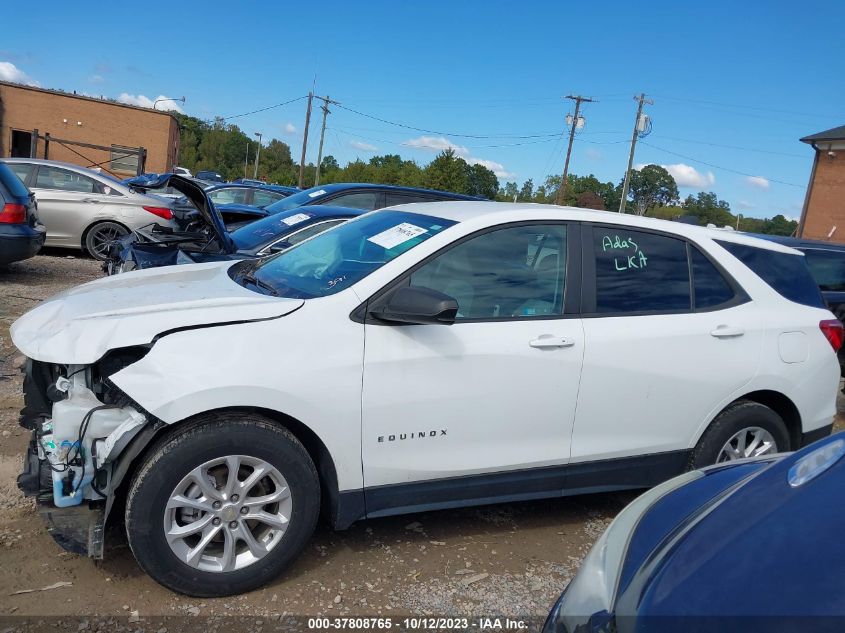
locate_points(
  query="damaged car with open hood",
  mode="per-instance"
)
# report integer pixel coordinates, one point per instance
(207, 233)
(219, 408)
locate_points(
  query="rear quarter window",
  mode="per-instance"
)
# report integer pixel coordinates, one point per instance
(786, 274)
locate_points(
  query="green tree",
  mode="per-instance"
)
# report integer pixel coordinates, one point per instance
(447, 172)
(707, 207)
(651, 186)
(481, 181)
(526, 192)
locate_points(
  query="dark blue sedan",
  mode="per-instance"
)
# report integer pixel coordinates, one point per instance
(749, 545)
(364, 196)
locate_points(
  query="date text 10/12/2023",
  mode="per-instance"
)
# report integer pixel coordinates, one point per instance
(421, 623)
(634, 260)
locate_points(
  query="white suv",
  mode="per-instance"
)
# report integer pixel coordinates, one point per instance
(426, 356)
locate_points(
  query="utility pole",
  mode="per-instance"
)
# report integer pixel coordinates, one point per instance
(305, 139)
(574, 122)
(638, 127)
(257, 154)
(325, 108)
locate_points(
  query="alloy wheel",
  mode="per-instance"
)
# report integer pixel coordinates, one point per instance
(102, 236)
(752, 441)
(227, 513)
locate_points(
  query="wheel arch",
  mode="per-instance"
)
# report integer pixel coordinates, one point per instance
(777, 402)
(340, 509)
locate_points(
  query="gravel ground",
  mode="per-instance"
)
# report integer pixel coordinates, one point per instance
(505, 560)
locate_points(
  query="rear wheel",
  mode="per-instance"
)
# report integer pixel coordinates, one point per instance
(100, 236)
(222, 506)
(745, 429)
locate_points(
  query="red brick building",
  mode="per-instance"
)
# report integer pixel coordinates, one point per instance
(108, 125)
(823, 215)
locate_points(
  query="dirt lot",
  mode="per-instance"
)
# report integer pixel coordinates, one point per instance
(504, 560)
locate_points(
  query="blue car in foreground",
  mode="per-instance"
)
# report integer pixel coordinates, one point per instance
(748, 545)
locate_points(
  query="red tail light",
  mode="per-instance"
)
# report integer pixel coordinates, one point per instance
(162, 212)
(833, 332)
(13, 214)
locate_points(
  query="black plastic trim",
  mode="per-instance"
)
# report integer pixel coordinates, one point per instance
(624, 473)
(815, 435)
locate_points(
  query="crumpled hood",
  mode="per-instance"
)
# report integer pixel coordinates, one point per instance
(79, 325)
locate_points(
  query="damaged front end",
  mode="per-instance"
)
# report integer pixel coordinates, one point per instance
(81, 425)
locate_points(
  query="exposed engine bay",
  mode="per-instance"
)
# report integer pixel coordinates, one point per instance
(81, 424)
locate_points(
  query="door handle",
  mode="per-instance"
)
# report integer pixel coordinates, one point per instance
(547, 340)
(92, 200)
(726, 331)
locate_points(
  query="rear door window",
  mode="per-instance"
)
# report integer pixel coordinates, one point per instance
(827, 268)
(638, 272)
(261, 198)
(366, 200)
(786, 274)
(65, 180)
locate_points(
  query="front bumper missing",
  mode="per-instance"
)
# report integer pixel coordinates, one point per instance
(77, 529)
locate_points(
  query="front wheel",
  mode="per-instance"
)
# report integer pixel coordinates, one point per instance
(222, 506)
(744, 429)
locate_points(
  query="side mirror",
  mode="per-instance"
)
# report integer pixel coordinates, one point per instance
(412, 304)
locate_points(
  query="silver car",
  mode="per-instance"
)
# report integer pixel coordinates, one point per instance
(85, 209)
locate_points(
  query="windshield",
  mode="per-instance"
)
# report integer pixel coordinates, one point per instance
(336, 259)
(265, 230)
(309, 196)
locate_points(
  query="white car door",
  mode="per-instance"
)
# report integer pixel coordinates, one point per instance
(659, 358)
(494, 392)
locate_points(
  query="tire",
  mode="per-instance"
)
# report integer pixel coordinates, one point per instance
(182, 455)
(99, 235)
(741, 416)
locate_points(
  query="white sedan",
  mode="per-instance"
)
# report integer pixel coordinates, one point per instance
(425, 356)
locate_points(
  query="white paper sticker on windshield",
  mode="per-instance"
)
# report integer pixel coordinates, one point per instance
(296, 219)
(314, 194)
(396, 235)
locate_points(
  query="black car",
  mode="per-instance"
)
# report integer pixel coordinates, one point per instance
(207, 237)
(827, 265)
(21, 234)
(366, 196)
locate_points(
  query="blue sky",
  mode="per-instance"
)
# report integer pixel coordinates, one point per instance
(735, 84)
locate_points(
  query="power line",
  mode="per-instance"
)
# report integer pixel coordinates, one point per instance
(278, 105)
(442, 133)
(744, 106)
(746, 149)
(714, 166)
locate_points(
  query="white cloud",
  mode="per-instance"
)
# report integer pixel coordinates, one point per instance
(757, 181)
(496, 168)
(436, 144)
(440, 143)
(146, 102)
(290, 128)
(10, 72)
(366, 147)
(686, 175)
(96, 79)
